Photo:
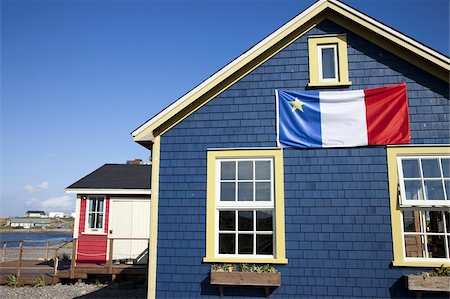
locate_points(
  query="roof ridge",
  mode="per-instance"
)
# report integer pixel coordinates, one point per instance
(202, 93)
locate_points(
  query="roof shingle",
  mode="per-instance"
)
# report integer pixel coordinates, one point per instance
(116, 176)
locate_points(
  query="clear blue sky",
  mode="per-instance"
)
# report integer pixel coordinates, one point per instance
(78, 76)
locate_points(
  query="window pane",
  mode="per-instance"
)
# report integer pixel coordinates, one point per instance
(430, 168)
(91, 221)
(263, 191)
(448, 244)
(446, 167)
(435, 221)
(410, 168)
(245, 220)
(328, 63)
(436, 247)
(413, 190)
(100, 205)
(227, 191)
(99, 221)
(411, 221)
(264, 221)
(226, 243)
(447, 189)
(245, 170)
(264, 244)
(227, 220)
(91, 205)
(245, 191)
(245, 244)
(434, 190)
(262, 170)
(447, 220)
(228, 170)
(414, 246)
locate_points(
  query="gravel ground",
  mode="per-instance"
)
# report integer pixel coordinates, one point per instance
(79, 290)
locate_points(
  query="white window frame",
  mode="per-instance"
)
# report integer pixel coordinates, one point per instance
(320, 47)
(244, 206)
(89, 229)
(424, 234)
(422, 206)
(404, 202)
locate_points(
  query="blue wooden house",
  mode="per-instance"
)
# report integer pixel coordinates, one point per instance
(336, 221)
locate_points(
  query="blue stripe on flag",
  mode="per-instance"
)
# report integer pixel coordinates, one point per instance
(299, 128)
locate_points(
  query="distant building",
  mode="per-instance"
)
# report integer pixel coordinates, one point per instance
(28, 222)
(55, 214)
(73, 214)
(35, 214)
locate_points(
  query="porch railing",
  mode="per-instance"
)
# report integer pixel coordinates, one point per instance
(20, 253)
(65, 250)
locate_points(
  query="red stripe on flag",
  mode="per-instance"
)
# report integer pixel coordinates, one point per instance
(387, 115)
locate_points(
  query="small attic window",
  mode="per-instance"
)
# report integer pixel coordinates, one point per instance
(328, 67)
(328, 63)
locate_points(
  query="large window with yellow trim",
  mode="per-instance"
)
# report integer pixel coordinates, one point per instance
(328, 63)
(420, 205)
(245, 206)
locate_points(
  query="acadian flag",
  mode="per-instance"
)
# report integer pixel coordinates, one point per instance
(311, 119)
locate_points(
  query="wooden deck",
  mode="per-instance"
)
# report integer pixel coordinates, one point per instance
(31, 269)
(82, 272)
(16, 262)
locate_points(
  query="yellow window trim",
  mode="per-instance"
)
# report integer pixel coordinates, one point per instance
(396, 219)
(341, 42)
(153, 242)
(280, 249)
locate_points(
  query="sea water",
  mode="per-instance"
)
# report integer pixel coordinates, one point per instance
(34, 238)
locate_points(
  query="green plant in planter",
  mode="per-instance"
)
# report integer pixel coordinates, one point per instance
(215, 268)
(441, 271)
(256, 269)
(229, 267)
(269, 269)
(437, 272)
(244, 268)
(223, 268)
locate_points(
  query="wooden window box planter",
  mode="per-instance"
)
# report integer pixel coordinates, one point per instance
(418, 283)
(265, 280)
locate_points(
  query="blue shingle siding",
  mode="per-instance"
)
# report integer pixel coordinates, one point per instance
(338, 235)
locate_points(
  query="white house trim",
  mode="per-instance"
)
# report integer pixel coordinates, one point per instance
(109, 191)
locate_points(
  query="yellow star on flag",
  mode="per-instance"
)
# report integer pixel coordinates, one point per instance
(296, 104)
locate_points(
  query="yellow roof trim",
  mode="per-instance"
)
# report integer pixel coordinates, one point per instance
(390, 33)
(145, 132)
(400, 44)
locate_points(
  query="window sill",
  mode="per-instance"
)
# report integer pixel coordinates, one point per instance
(329, 84)
(427, 264)
(94, 233)
(245, 260)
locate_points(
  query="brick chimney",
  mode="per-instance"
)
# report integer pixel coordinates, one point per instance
(135, 161)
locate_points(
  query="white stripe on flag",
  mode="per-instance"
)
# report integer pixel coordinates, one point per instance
(343, 118)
